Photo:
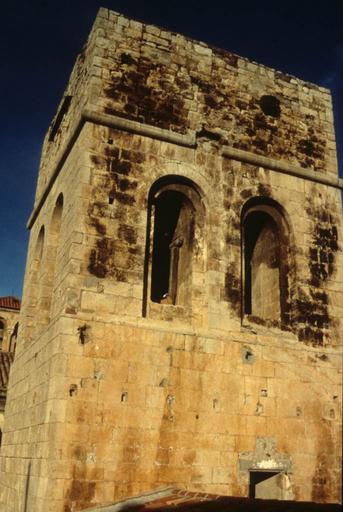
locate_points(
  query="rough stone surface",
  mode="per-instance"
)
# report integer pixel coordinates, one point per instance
(113, 394)
(9, 317)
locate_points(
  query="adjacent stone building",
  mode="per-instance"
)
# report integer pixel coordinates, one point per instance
(183, 291)
(9, 316)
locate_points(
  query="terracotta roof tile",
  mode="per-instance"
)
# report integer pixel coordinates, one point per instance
(10, 302)
(176, 500)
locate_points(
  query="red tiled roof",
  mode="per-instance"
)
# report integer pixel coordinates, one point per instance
(6, 359)
(10, 302)
(176, 500)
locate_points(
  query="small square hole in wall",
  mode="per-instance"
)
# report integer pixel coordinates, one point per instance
(111, 199)
(248, 356)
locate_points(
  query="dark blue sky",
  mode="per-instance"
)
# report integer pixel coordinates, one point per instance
(40, 40)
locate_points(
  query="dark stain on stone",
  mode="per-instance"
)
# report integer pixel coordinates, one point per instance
(321, 480)
(101, 228)
(306, 147)
(261, 122)
(208, 134)
(233, 288)
(120, 275)
(81, 490)
(127, 233)
(112, 152)
(246, 193)
(95, 210)
(124, 198)
(262, 321)
(125, 184)
(204, 87)
(322, 252)
(264, 190)
(79, 495)
(312, 148)
(212, 101)
(311, 314)
(126, 58)
(120, 166)
(322, 357)
(96, 159)
(260, 144)
(140, 102)
(79, 452)
(98, 258)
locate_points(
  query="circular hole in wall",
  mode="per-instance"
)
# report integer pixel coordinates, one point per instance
(270, 105)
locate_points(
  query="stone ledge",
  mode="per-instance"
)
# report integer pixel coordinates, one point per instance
(187, 140)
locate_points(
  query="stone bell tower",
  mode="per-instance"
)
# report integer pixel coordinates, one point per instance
(183, 293)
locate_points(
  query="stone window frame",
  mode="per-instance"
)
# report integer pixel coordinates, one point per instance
(193, 194)
(13, 338)
(280, 217)
(53, 245)
(31, 304)
(3, 327)
(36, 273)
(39, 250)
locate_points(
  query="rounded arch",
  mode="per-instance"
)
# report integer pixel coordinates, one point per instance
(38, 253)
(272, 208)
(52, 258)
(13, 338)
(2, 330)
(267, 260)
(57, 215)
(177, 182)
(175, 223)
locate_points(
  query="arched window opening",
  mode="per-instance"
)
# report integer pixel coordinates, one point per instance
(36, 278)
(262, 260)
(174, 257)
(50, 267)
(57, 216)
(172, 248)
(266, 249)
(2, 332)
(36, 265)
(39, 246)
(30, 307)
(13, 338)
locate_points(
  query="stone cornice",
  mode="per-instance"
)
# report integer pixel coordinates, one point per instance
(186, 140)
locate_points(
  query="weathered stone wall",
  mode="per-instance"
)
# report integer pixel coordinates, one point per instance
(111, 393)
(146, 74)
